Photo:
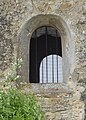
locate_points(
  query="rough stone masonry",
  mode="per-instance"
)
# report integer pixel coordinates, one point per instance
(18, 20)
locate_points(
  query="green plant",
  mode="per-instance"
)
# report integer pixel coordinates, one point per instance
(17, 106)
(12, 75)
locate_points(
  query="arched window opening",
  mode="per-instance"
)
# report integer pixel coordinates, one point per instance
(45, 56)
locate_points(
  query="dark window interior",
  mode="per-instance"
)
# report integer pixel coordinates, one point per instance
(44, 41)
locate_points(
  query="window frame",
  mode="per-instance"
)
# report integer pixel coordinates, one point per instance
(68, 43)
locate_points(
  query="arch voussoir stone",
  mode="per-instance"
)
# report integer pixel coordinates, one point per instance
(67, 43)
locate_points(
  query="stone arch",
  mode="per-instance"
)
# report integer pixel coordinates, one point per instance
(67, 42)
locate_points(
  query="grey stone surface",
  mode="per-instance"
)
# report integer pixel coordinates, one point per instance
(18, 20)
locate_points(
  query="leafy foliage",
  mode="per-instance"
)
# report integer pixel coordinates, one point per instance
(12, 75)
(17, 106)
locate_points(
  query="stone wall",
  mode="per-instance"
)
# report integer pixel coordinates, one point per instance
(59, 101)
(14, 14)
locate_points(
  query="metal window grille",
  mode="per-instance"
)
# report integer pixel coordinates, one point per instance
(45, 56)
(54, 69)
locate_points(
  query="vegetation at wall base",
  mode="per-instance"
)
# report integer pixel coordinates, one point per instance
(15, 105)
